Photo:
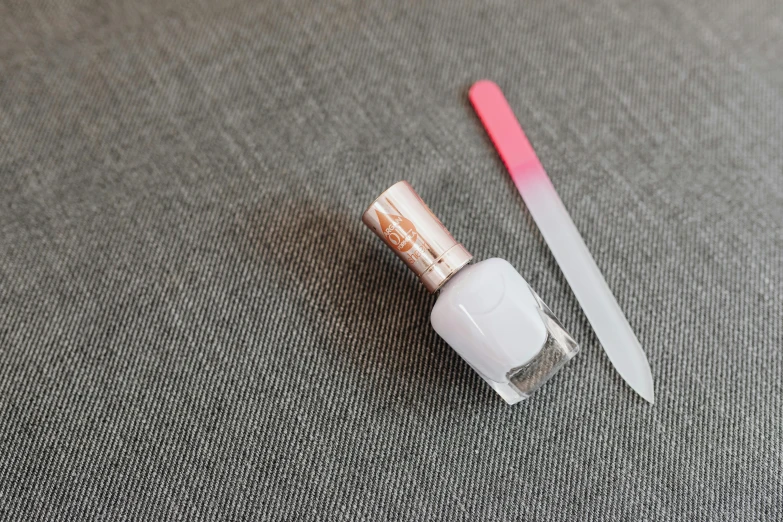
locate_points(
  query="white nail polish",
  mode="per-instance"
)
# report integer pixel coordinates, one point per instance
(485, 311)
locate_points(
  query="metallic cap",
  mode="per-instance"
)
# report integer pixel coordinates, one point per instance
(411, 230)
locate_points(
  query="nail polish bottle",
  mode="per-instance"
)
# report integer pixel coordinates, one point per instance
(485, 311)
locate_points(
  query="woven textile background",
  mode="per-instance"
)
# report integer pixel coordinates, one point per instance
(195, 324)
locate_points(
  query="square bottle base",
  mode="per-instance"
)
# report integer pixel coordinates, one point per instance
(559, 347)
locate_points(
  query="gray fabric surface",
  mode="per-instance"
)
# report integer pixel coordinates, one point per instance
(194, 323)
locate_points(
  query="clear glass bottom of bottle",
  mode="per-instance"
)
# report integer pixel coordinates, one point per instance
(559, 347)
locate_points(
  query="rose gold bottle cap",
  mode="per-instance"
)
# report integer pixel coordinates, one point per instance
(411, 230)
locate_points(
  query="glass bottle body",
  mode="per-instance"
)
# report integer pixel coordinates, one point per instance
(489, 314)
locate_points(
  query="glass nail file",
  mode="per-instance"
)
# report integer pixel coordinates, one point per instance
(594, 296)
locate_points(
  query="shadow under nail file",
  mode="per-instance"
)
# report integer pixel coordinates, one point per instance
(486, 311)
(599, 305)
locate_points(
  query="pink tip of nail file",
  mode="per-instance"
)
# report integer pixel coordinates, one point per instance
(599, 305)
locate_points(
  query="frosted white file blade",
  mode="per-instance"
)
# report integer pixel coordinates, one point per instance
(594, 296)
